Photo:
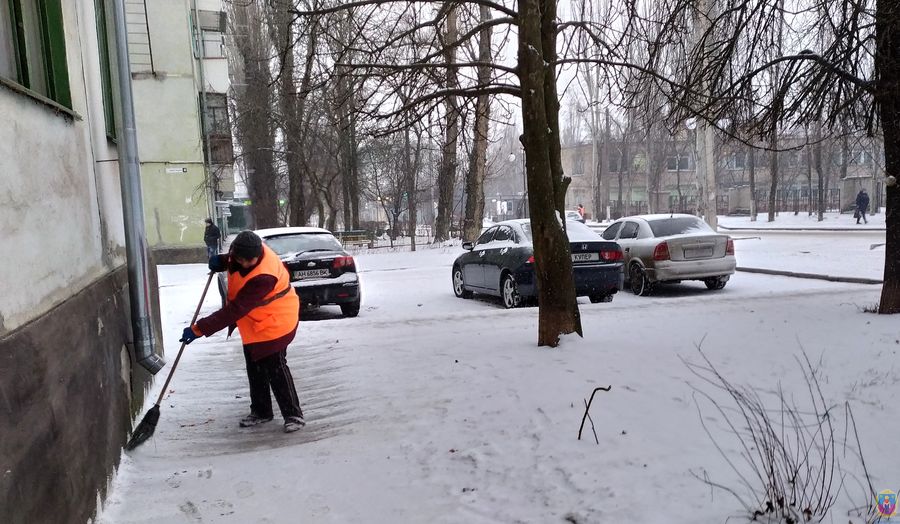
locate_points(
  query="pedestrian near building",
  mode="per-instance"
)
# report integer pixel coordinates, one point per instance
(265, 308)
(211, 237)
(862, 206)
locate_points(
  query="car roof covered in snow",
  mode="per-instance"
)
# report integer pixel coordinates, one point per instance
(659, 216)
(276, 231)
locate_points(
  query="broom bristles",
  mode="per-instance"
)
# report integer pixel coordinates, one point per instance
(145, 429)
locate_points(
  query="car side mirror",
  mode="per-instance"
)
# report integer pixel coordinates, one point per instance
(468, 246)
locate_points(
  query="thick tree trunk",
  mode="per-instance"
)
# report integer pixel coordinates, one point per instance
(887, 63)
(478, 159)
(447, 175)
(558, 310)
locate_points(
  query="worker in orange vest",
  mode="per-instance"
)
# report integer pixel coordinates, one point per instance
(265, 308)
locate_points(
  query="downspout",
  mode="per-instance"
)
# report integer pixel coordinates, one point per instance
(133, 208)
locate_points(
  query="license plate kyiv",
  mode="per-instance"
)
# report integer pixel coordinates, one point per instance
(585, 257)
(312, 273)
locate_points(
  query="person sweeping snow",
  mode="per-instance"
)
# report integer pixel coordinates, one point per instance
(265, 308)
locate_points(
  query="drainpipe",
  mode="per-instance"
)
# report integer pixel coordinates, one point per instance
(133, 208)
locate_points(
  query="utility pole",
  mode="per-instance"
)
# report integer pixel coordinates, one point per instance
(706, 138)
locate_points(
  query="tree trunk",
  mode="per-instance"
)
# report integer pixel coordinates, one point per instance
(447, 174)
(887, 63)
(773, 175)
(558, 310)
(478, 159)
(820, 173)
(754, 208)
(411, 169)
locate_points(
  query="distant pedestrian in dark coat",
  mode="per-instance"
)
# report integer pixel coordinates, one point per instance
(862, 205)
(211, 237)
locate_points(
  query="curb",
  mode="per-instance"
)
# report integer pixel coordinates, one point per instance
(814, 276)
(802, 229)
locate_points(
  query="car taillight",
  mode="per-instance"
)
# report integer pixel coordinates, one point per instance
(611, 256)
(729, 247)
(661, 252)
(344, 263)
(530, 260)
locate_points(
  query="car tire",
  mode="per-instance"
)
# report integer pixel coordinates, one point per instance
(351, 309)
(640, 282)
(509, 292)
(459, 285)
(601, 297)
(715, 283)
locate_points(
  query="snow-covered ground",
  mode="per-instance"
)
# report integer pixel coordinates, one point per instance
(428, 408)
(803, 221)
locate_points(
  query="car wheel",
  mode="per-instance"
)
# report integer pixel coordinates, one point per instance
(716, 282)
(509, 292)
(459, 285)
(600, 297)
(351, 309)
(640, 282)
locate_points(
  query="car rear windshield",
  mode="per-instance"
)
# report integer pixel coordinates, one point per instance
(576, 231)
(284, 244)
(665, 227)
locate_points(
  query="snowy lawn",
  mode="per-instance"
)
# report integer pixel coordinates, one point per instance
(428, 408)
(789, 220)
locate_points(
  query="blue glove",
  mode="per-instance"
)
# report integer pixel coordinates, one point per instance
(218, 263)
(188, 335)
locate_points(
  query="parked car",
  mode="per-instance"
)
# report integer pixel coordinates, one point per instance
(671, 248)
(501, 263)
(321, 271)
(574, 215)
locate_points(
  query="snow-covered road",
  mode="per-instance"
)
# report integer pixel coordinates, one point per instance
(428, 408)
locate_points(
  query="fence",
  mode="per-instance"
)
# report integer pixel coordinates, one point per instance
(798, 200)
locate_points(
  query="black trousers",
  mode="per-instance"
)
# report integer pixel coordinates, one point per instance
(272, 372)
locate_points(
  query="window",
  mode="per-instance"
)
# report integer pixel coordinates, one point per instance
(736, 161)
(578, 167)
(610, 232)
(33, 47)
(212, 29)
(213, 44)
(678, 162)
(504, 234)
(486, 236)
(629, 230)
(217, 128)
(109, 111)
(678, 226)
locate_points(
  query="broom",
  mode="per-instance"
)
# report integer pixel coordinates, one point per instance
(145, 429)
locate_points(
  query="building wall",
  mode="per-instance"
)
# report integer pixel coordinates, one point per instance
(170, 146)
(65, 364)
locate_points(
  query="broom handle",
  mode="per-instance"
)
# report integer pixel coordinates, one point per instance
(183, 344)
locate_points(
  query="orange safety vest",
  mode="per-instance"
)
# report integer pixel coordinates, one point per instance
(279, 315)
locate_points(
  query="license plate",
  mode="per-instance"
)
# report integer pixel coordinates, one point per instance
(585, 257)
(700, 252)
(311, 273)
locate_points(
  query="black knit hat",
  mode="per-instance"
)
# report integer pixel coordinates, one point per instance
(246, 245)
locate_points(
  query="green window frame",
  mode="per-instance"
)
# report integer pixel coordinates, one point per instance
(106, 80)
(52, 53)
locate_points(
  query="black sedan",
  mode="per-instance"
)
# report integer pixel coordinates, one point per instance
(321, 271)
(501, 263)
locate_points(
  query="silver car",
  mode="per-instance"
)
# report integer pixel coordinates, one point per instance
(671, 248)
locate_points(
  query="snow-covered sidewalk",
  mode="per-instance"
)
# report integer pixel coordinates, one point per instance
(428, 408)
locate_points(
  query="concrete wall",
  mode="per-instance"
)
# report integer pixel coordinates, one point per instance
(67, 390)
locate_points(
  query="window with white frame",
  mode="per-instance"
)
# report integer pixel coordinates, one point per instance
(680, 162)
(212, 33)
